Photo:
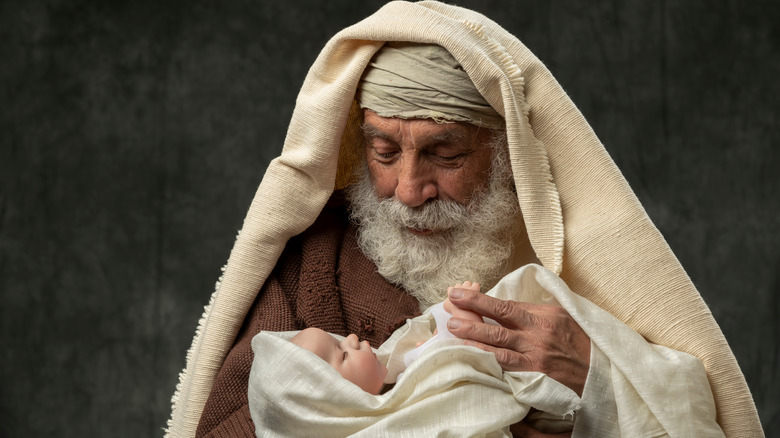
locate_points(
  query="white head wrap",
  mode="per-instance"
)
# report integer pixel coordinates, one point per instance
(409, 80)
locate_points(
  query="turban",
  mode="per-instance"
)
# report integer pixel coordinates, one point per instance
(410, 80)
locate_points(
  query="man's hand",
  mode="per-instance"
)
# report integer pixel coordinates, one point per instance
(531, 337)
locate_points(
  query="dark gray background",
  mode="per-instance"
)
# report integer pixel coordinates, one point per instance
(134, 133)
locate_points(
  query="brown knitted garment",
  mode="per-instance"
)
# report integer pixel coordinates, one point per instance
(321, 280)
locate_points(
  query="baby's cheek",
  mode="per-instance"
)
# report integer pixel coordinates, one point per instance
(378, 373)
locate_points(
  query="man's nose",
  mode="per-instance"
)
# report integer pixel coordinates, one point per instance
(415, 185)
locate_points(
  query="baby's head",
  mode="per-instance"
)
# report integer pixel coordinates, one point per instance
(354, 360)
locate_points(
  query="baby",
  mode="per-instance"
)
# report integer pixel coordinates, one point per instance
(313, 383)
(354, 359)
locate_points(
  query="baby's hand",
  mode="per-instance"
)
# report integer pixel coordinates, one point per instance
(467, 315)
(460, 313)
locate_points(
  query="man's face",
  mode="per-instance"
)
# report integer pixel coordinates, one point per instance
(417, 160)
(435, 203)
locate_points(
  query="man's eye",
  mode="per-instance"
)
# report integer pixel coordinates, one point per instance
(385, 156)
(448, 159)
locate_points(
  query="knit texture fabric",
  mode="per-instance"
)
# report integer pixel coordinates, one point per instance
(322, 280)
(582, 219)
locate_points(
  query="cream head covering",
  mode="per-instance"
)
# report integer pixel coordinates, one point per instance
(610, 252)
(410, 80)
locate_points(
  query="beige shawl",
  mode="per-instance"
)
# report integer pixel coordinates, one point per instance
(583, 220)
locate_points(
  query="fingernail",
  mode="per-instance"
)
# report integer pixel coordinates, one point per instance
(456, 293)
(453, 323)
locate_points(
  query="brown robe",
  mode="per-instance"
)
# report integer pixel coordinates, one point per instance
(322, 279)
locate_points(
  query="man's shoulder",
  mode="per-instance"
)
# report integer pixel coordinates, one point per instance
(328, 230)
(337, 205)
(334, 217)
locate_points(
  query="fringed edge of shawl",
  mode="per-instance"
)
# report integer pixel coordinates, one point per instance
(555, 245)
(196, 341)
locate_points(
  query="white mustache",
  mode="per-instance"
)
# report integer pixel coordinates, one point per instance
(437, 214)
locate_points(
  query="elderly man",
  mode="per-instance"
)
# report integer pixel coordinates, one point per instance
(463, 160)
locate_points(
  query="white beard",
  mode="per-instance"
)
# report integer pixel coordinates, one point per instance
(475, 246)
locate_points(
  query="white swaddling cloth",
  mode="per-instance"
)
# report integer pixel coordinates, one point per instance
(441, 317)
(455, 390)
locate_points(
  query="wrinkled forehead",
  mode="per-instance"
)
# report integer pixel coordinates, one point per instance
(376, 126)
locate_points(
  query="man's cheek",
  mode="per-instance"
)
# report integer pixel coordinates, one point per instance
(384, 184)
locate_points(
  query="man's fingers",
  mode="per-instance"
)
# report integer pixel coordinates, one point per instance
(508, 360)
(507, 345)
(510, 314)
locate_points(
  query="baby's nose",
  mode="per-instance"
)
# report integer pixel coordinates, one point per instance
(352, 341)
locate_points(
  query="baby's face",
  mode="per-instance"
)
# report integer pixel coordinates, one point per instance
(354, 360)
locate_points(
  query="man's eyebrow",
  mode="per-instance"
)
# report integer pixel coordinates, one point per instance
(449, 136)
(373, 132)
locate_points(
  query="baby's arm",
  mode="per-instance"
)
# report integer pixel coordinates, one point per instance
(467, 315)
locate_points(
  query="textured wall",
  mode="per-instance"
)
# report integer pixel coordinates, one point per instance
(133, 135)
